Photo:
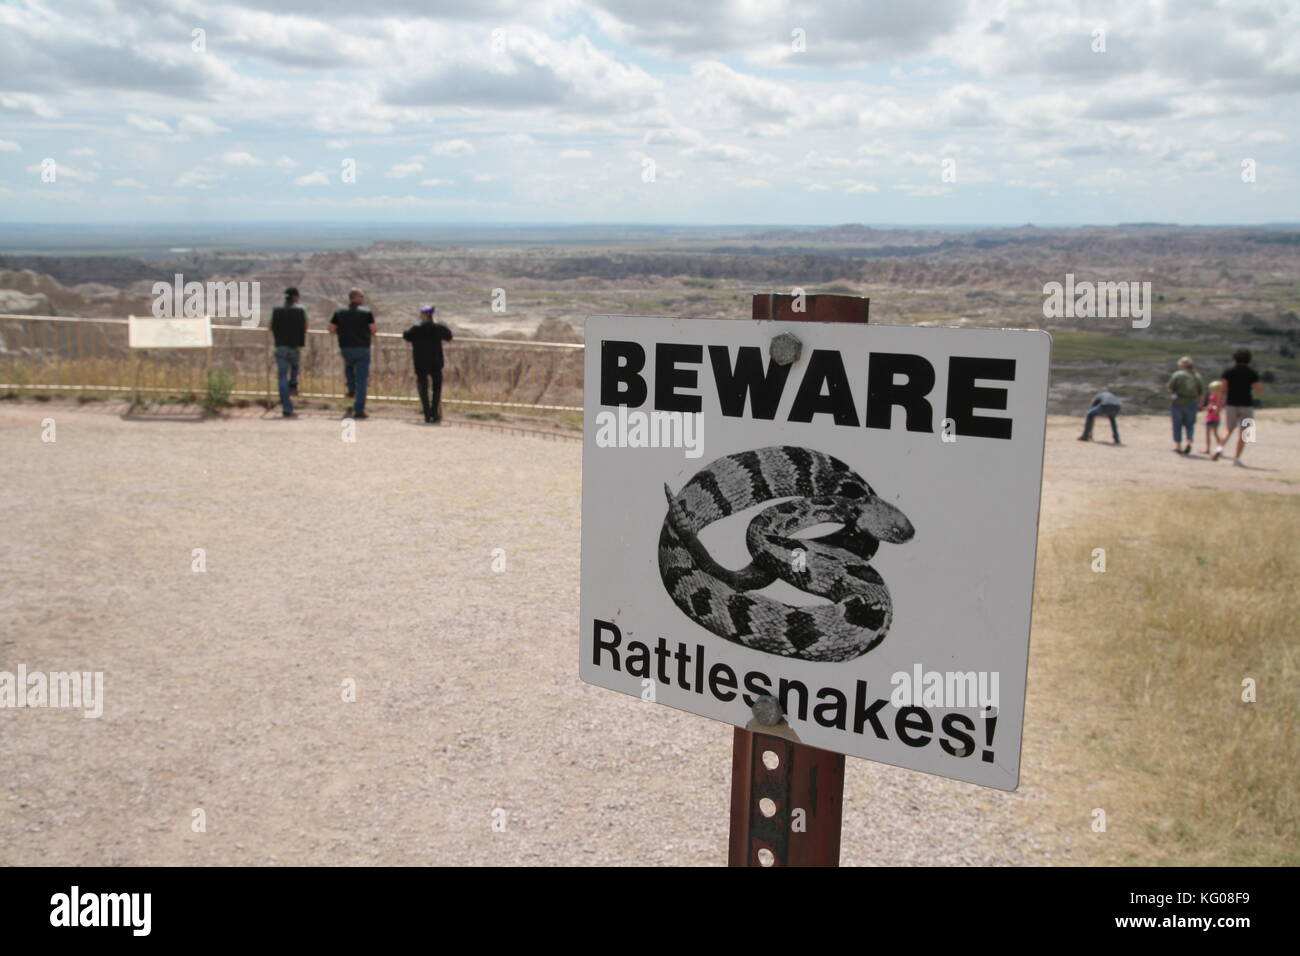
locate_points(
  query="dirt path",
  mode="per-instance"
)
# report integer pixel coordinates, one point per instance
(329, 561)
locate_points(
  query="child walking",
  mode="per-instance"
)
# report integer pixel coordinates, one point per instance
(1213, 406)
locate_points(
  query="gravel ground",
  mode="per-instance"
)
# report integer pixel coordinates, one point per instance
(372, 561)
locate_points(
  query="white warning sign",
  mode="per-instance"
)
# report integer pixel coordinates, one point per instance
(851, 532)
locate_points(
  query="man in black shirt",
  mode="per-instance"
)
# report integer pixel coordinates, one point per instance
(355, 327)
(1239, 406)
(426, 340)
(289, 328)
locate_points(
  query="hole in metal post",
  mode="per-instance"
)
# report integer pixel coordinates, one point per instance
(770, 760)
(767, 806)
(766, 857)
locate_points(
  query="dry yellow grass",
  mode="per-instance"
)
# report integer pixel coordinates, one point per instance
(1140, 670)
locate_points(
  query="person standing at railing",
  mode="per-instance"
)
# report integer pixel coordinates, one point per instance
(426, 338)
(289, 328)
(355, 327)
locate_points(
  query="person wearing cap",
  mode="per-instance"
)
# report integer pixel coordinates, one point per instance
(426, 338)
(1187, 389)
(289, 329)
(355, 327)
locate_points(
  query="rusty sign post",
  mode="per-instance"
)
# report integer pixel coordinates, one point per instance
(787, 799)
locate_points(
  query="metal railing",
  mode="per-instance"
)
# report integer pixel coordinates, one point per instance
(71, 353)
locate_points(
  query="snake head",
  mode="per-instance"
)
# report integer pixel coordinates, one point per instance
(879, 518)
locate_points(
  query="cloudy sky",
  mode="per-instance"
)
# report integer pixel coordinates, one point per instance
(738, 111)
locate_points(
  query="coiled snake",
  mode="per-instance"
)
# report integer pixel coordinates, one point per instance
(824, 489)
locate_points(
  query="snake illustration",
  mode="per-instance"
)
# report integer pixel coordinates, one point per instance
(823, 489)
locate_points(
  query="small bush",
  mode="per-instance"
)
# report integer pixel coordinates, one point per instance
(220, 384)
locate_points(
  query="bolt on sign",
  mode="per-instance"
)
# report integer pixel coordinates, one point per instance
(847, 525)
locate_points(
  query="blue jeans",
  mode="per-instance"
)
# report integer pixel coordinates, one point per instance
(356, 365)
(286, 370)
(1184, 416)
(1110, 411)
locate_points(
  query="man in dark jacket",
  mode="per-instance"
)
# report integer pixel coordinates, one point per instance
(1104, 403)
(426, 340)
(289, 328)
(355, 327)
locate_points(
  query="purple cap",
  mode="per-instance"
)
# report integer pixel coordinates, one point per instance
(427, 310)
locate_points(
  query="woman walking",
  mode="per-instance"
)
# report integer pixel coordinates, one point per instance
(1186, 387)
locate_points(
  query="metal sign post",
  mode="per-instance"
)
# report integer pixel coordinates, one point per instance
(787, 799)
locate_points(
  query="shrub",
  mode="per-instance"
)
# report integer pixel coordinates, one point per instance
(220, 384)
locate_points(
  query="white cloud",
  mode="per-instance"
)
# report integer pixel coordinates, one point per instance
(28, 103)
(575, 154)
(237, 158)
(9, 146)
(402, 170)
(318, 178)
(725, 153)
(922, 191)
(534, 71)
(680, 136)
(129, 183)
(834, 33)
(435, 181)
(284, 162)
(725, 94)
(453, 147)
(200, 177)
(191, 123)
(967, 105)
(147, 124)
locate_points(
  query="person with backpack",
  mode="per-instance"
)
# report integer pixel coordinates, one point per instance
(426, 338)
(1187, 388)
(289, 329)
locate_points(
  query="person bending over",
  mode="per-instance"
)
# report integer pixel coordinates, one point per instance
(1105, 403)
